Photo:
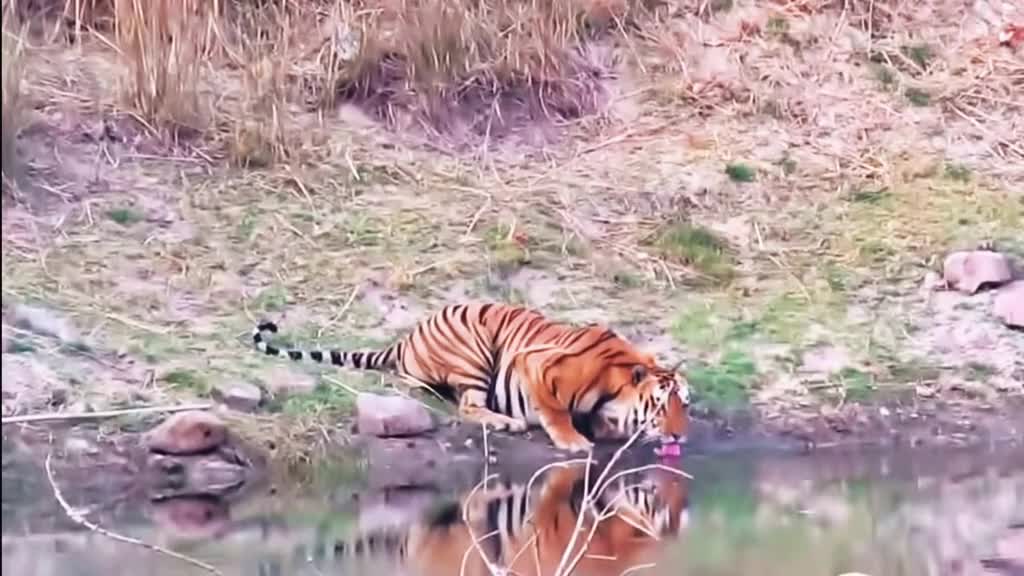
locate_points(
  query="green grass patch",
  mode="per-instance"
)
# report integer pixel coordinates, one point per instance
(917, 96)
(506, 252)
(958, 172)
(921, 55)
(788, 164)
(724, 385)
(124, 216)
(777, 25)
(698, 247)
(857, 385)
(885, 76)
(186, 380)
(19, 346)
(273, 299)
(979, 371)
(324, 399)
(740, 172)
(869, 196)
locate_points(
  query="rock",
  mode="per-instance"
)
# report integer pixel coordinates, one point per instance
(237, 395)
(1008, 305)
(970, 271)
(45, 322)
(191, 432)
(385, 416)
(283, 381)
(191, 517)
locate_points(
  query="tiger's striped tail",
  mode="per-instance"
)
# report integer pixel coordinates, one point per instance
(364, 360)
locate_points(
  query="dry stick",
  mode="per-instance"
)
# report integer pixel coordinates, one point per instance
(494, 570)
(58, 416)
(348, 303)
(79, 519)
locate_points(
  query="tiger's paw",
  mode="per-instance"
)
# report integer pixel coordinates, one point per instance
(578, 444)
(516, 425)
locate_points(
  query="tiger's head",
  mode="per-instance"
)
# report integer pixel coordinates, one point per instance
(660, 407)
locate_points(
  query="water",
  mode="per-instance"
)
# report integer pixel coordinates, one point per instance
(919, 514)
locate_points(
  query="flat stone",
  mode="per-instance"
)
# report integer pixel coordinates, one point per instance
(191, 432)
(283, 381)
(1008, 304)
(385, 416)
(45, 322)
(969, 271)
(238, 395)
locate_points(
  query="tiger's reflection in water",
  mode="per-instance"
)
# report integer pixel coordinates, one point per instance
(513, 528)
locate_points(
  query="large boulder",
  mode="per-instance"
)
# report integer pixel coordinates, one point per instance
(970, 271)
(191, 432)
(385, 416)
(1008, 304)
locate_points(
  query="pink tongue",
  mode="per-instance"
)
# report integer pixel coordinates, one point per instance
(672, 449)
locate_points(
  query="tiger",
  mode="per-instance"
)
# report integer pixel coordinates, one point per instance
(509, 368)
(518, 529)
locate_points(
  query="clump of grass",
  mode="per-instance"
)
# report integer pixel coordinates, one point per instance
(124, 216)
(740, 172)
(13, 70)
(788, 164)
(258, 132)
(777, 25)
(958, 172)
(164, 43)
(186, 380)
(920, 54)
(698, 247)
(325, 399)
(724, 385)
(470, 68)
(917, 96)
(857, 385)
(508, 249)
(885, 76)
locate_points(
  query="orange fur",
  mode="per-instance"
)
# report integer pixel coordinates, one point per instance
(489, 528)
(510, 367)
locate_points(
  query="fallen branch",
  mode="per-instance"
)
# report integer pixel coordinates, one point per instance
(79, 519)
(63, 416)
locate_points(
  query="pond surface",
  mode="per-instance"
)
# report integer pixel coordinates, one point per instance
(891, 514)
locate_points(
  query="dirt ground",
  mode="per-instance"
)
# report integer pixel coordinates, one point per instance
(834, 155)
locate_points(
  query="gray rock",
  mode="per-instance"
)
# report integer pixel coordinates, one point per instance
(45, 322)
(238, 395)
(1008, 304)
(283, 382)
(385, 416)
(191, 432)
(969, 271)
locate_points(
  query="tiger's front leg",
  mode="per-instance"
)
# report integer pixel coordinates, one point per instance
(473, 407)
(552, 412)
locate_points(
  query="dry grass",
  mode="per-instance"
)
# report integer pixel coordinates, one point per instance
(772, 126)
(163, 43)
(13, 71)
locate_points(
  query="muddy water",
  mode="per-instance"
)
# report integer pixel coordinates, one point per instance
(919, 514)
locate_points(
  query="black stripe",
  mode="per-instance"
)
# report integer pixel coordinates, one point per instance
(295, 354)
(522, 401)
(271, 351)
(357, 359)
(317, 355)
(336, 358)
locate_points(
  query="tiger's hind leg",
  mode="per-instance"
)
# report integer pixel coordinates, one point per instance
(473, 407)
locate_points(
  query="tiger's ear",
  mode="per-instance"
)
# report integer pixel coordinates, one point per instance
(639, 373)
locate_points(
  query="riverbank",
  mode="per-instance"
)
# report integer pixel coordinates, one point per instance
(691, 190)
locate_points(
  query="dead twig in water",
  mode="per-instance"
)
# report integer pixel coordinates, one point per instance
(59, 416)
(77, 518)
